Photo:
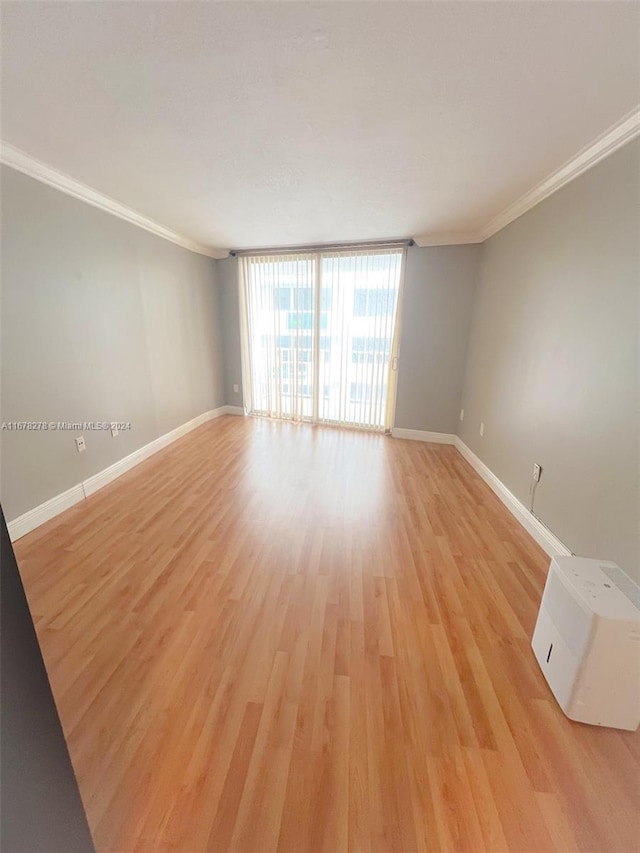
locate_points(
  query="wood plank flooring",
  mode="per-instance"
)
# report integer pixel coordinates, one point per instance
(271, 637)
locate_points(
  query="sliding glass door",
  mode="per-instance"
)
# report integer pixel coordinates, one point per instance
(319, 335)
(280, 298)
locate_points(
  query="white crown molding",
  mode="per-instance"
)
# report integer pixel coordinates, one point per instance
(618, 135)
(451, 239)
(23, 162)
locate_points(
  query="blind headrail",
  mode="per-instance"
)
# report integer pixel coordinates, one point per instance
(319, 248)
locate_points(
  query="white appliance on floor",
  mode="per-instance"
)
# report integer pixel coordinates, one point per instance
(587, 641)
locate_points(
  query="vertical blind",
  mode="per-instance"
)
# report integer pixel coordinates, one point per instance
(320, 337)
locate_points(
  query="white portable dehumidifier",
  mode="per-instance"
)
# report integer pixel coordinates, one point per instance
(587, 641)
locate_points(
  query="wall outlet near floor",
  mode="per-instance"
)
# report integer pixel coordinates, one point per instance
(80, 445)
(461, 414)
(537, 472)
(481, 428)
(114, 430)
(236, 389)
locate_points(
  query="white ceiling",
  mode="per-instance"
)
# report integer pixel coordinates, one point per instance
(270, 124)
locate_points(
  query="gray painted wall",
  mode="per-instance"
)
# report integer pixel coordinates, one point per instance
(103, 321)
(100, 321)
(552, 367)
(227, 276)
(438, 300)
(437, 305)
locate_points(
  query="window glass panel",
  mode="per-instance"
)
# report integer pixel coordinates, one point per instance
(356, 294)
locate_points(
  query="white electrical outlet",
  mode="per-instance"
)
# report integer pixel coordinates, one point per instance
(481, 428)
(80, 445)
(114, 430)
(236, 389)
(461, 414)
(537, 472)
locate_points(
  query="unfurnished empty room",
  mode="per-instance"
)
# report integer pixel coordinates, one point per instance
(320, 426)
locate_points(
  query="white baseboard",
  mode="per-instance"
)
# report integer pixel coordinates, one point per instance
(107, 475)
(421, 435)
(544, 537)
(33, 518)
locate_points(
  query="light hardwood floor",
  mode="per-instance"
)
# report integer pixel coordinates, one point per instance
(271, 637)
